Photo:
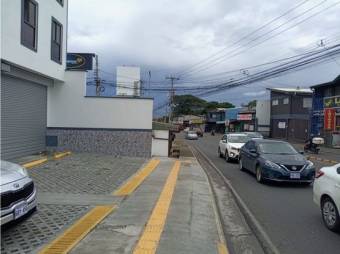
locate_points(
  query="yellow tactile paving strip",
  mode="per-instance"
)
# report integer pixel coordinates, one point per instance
(149, 240)
(137, 179)
(71, 237)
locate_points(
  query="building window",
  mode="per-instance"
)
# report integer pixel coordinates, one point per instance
(29, 24)
(275, 102)
(337, 122)
(56, 41)
(286, 100)
(61, 2)
(307, 102)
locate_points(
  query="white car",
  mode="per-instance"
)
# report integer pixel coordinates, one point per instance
(18, 194)
(192, 135)
(326, 194)
(230, 145)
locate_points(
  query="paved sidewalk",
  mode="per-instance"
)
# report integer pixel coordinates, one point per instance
(190, 223)
(67, 189)
(326, 155)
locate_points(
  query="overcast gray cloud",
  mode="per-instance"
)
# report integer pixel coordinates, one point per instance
(173, 35)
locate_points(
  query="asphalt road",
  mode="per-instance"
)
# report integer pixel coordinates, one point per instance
(285, 211)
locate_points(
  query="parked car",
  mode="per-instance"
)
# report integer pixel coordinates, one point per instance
(254, 135)
(192, 135)
(276, 161)
(18, 194)
(230, 145)
(326, 194)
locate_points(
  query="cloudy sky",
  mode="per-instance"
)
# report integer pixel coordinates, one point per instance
(173, 36)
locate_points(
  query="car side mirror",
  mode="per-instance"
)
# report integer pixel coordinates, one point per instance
(301, 152)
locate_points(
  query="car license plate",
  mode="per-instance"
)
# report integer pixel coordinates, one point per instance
(21, 210)
(295, 176)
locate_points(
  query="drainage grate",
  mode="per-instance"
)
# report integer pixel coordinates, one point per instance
(38, 229)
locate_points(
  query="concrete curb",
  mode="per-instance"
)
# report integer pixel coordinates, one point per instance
(267, 245)
(222, 245)
(61, 155)
(34, 163)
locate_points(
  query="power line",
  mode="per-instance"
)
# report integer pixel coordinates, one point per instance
(236, 53)
(246, 36)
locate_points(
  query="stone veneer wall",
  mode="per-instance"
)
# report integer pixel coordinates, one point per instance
(118, 142)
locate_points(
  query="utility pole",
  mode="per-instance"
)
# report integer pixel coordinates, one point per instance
(172, 95)
(96, 73)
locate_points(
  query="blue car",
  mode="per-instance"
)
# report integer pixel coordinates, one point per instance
(275, 161)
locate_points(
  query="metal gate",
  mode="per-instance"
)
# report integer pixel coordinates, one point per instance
(23, 117)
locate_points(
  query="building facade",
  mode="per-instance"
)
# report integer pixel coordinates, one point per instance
(326, 112)
(44, 105)
(290, 113)
(215, 120)
(263, 117)
(33, 57)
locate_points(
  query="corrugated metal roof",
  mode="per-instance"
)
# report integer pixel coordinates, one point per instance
(292, 90)
(334, 82)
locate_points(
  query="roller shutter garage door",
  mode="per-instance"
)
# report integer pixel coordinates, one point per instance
(23, 117)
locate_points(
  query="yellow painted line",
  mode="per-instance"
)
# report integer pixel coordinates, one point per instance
(61, 155)
(148, 242)
(32, 164)
(72, 236)
(222, 248)
(137, 179)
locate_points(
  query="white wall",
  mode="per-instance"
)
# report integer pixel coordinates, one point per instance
(126, 77)
(160, 143)
(263, 112)
(67, 107)
(14, 52)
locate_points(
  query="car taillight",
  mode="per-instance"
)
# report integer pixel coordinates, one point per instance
(319, 174)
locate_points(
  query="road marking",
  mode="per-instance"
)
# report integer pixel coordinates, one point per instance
(137, 179)
(148, 242)
(32, 164)
(222, 248)
(61, 155)
(72, 236)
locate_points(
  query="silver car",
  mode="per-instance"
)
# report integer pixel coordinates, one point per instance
(18, 193)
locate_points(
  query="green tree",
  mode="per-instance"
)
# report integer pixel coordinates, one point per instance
(192, 105)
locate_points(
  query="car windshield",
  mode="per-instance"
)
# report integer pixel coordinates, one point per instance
(277, 148)
(238, 139)
(254, 135)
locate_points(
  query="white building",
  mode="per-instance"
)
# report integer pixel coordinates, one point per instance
(263, 117)
(128, 81)
(33, 52)
(44, 107)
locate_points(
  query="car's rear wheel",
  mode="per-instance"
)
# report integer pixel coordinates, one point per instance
(219, 153)
(330, 214)
(240, 163)
(259, 174)
(226, 156)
